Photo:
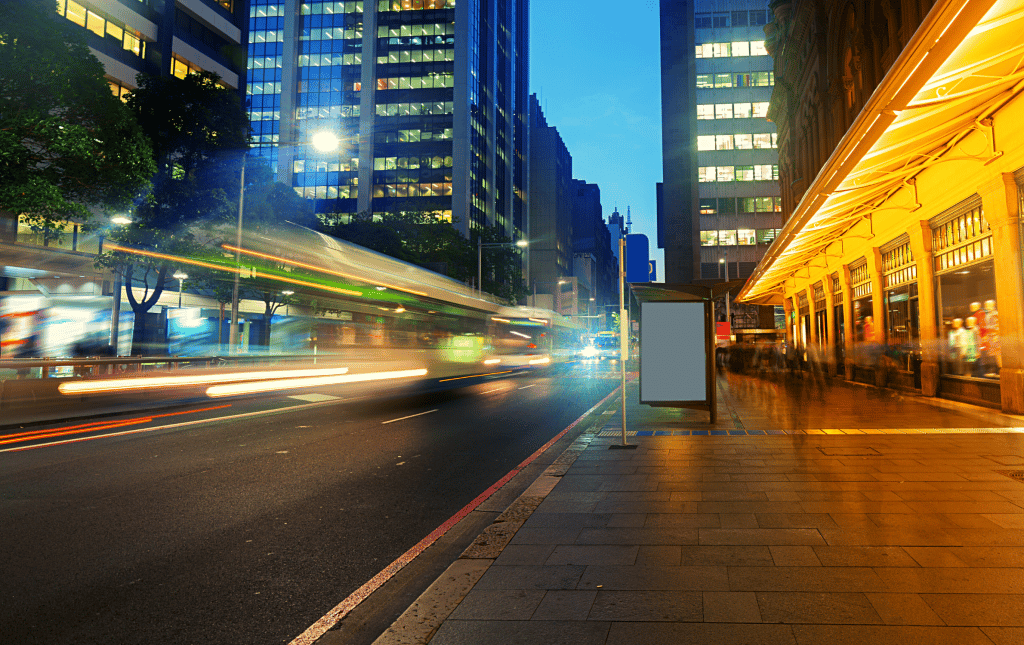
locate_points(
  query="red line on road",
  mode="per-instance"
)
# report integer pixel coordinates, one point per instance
(334, 616)
(50, 433)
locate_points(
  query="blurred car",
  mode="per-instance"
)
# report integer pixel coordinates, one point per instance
(603, 347)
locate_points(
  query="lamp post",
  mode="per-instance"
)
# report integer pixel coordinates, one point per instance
(180, 276)
(322, 141)
(480, 246)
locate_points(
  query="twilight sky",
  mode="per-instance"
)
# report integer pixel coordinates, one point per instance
(596, 70)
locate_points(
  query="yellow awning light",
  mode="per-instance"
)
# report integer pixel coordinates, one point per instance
(963, 63)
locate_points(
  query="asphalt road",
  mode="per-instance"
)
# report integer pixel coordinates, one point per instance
(248, 529)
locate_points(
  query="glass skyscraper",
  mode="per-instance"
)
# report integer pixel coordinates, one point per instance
(429, 98)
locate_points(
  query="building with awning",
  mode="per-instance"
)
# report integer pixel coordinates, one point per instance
(900, 262)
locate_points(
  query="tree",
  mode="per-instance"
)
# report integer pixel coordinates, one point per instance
(67, 144)
(199, 131)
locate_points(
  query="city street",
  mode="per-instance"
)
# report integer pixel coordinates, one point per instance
(250, 526)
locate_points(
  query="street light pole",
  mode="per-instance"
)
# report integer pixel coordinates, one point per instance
(181, 277)
(233, 330)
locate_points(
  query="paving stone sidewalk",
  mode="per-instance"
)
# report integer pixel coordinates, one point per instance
(911, 534)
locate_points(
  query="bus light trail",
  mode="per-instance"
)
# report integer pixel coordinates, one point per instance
(287, 384)
(153, 382)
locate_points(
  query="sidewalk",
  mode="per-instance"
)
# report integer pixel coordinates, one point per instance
(841, 515)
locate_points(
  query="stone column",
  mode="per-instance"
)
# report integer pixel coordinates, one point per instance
(830, 326)
(847, 321)
(877, 311)
(787, 305)
(811, 353)
(920, 234)
(1000, 201)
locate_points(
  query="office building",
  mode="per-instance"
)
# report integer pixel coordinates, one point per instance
(429, 98)
(593, 263)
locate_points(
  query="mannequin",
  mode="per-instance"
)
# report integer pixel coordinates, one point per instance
(990, 345)
(957, 345)
(971, 346)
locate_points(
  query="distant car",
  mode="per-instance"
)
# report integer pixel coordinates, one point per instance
(601, 348)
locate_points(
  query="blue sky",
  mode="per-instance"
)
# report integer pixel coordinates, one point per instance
(597, 72)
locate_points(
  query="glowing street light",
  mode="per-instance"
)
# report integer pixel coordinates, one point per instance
(181, 276)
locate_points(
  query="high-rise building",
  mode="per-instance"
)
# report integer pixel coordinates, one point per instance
(163, 38)
(429, 98)
(720, 204)
(551, 205)
(593, 262)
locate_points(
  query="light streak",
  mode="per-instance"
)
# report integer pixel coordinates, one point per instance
(148, 383)
(459, 378)
(527, 336)
(538, 320)
(49, 433)
(384, 423)
(288, 384)
(220, 267)
(540, 361)
(492, 361)
(313, 267)
(501, 320)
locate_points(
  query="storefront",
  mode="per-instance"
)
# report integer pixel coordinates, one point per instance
(902, 312)
(913, 225)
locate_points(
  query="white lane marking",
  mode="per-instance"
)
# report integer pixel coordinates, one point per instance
(526, 386)
(314, 397)
(494, 390)
(408, 417)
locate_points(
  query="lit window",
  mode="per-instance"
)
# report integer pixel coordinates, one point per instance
(761, 79)
(765, 235)
(704, 51)
(741, 48)
(764, 173)
(115, 32)
(746, 236)
(706, 142)
(757, 48)
(722, 50)
(760, 110)
(747, 205)
(705, 112)
(709, 238)
(704, 81)
(723, 142)
(764, 204)
(76, 13)
(723, 110)
(763, 140)
(723, 80)
(96, 24)
(706, 174)
(707, 207)
(727, 238)
(726, 173)
(741, 110)
(744, 173)
(743, 142)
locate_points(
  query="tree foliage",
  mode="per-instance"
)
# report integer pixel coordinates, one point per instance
(66, 143)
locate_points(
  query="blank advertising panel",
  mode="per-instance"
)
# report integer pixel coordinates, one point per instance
(673, 352)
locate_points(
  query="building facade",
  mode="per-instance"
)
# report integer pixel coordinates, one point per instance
(429, 98)
(551, 203)
(902, 197)
(719, 207)
(593, 263)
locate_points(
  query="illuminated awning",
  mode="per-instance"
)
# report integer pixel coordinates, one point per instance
(964, 63)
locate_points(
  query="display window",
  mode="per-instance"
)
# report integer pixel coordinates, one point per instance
(969, 321)
(965, 293)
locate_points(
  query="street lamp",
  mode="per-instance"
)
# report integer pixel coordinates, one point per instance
(287, 293)
(181, 276)
(324, 141)
(480, 246)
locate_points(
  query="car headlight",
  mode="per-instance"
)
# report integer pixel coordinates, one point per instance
(590, 351)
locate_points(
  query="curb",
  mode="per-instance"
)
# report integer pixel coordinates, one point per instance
(418, 624)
